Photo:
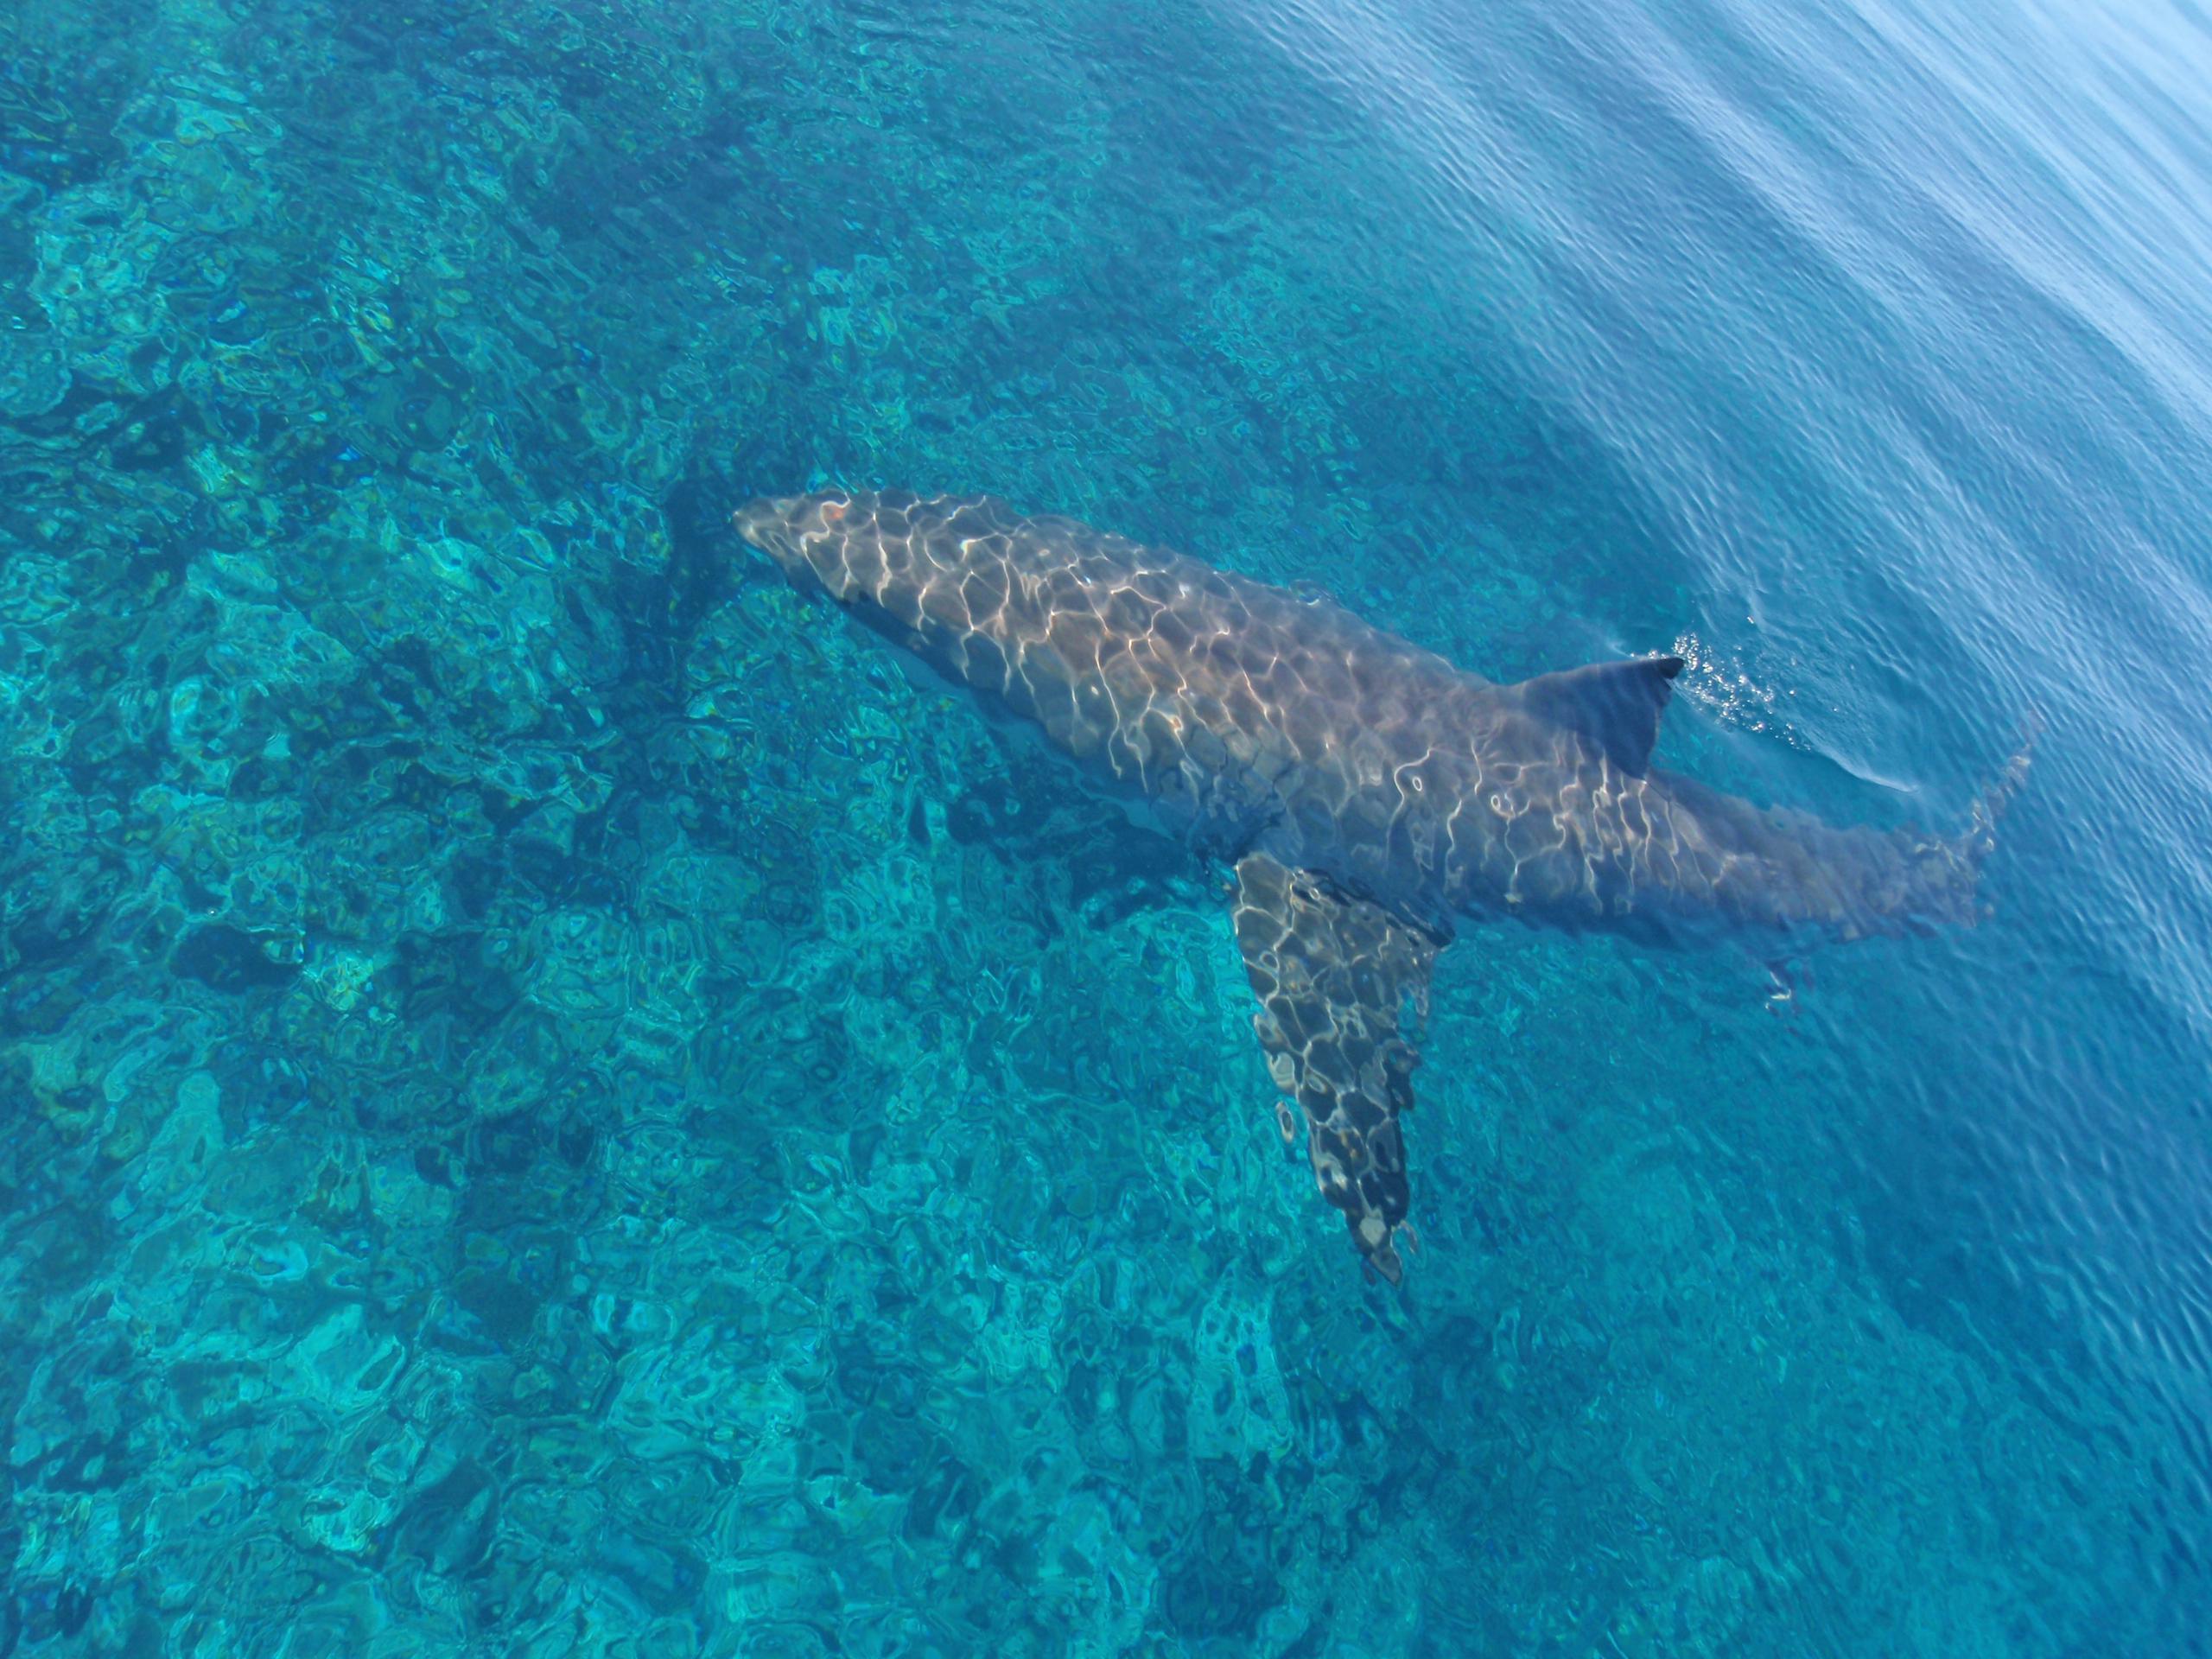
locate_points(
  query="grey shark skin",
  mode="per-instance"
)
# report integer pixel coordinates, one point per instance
(1367, 791)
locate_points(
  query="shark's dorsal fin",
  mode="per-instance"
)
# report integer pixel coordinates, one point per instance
(1615, 706)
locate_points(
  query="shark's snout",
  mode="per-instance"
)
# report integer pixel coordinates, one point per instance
(769, 523)
(803, 534)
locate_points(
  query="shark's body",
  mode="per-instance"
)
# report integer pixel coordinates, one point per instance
(1368, 792)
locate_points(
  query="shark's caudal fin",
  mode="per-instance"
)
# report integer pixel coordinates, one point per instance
(1883, 880)
(1998, 793)
(1945, 881)
(1615, 707)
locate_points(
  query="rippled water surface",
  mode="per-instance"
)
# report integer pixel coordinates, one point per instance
(554, 1101)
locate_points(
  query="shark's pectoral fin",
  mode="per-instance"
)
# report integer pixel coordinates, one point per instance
(1334, 974)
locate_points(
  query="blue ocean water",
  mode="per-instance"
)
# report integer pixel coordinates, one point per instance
(556, 1103)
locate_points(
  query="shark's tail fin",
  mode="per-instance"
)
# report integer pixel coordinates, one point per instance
(1790, 869)
(1938, 879)
(1997, 794)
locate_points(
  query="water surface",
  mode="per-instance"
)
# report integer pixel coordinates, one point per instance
(557, 1103)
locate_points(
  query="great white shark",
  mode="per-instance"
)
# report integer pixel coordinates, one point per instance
(1368, 792)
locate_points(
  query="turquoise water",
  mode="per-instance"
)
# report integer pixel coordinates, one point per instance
(556, 1103)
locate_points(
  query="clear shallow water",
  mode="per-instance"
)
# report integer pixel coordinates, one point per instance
(556, 1104)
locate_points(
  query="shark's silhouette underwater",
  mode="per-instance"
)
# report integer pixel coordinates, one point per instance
(1366, 790)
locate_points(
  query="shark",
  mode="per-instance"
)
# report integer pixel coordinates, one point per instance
(1369, 795)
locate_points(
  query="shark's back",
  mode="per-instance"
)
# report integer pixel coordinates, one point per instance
(1228, 703)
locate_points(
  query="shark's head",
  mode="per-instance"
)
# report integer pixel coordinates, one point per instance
(803, 534)
(886, 560)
